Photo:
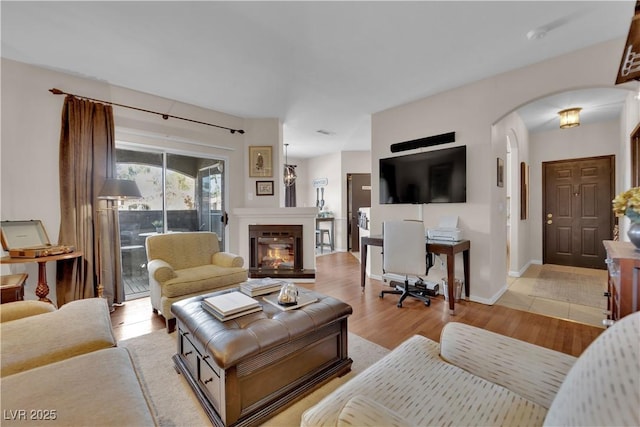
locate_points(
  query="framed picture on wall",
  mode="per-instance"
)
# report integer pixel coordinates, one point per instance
(524, 190)
(264, 188)
(260, 161)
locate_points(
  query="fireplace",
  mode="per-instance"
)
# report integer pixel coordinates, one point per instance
(276, 251)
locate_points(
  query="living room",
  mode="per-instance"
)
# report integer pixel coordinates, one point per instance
(481, 112)
(26, 89)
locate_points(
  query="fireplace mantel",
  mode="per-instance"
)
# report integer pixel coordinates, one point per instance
(276, 212)
(291, 216)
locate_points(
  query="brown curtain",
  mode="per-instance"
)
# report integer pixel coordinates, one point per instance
(290, 195)
(87, 158)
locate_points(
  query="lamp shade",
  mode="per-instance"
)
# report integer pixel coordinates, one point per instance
(118, 189)
(569, 118)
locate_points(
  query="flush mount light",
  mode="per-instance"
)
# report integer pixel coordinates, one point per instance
(537, 33)
(569, 118)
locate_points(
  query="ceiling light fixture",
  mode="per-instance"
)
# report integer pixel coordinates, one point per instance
(537, 33)
(289, 176)
(569, 118)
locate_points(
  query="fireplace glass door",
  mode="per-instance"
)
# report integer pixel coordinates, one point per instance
(276, 253)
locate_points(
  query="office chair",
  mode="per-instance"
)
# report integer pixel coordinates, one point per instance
(404, 252)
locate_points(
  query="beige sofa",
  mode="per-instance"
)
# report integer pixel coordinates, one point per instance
(62, 368)
(475, 377)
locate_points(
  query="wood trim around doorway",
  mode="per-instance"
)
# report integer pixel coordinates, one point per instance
(635, 157)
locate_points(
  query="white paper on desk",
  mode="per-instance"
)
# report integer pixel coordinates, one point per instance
(449, 221)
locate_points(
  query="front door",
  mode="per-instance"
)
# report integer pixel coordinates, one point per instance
(359, 196)
(577, 210)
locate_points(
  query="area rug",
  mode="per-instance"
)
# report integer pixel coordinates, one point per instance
(174, 403)
(572, 287)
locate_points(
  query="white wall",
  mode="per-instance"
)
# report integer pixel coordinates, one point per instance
(352, 162)
(511, 130)
(628, 123)
(471, 111)
(335, 168)
(264, 132)
(31, 131)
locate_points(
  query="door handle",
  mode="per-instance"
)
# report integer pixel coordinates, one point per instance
(549, 221)
(549, 215)
(224, 218)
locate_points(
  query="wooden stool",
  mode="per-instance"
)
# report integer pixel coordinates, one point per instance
(320, 232)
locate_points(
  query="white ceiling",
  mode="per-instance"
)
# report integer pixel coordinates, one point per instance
(325, 65)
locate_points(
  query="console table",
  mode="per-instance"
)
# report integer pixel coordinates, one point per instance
(42, 290)
(12, 287)
(438, 247)
(623, 263)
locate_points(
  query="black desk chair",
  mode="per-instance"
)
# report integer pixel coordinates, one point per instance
(404, 252)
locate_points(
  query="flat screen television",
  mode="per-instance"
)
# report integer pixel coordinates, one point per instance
(438, 176)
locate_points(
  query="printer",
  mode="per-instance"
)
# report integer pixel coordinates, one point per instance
(446, 230)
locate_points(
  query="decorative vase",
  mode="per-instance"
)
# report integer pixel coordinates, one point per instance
(634, 234)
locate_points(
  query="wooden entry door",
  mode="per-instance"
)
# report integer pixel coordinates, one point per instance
(358, 196)
(577, 211)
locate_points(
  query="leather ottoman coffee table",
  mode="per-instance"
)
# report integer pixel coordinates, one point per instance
(245, 370)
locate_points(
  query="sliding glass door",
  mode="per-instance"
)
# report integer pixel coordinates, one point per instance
(179, 193)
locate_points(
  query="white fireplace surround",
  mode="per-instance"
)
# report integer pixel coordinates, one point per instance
(279, 216)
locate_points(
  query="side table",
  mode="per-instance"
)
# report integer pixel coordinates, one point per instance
(42, 290)
(12, 287)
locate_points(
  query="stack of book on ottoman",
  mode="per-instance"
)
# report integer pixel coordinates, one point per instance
(230, 305)
(261, 286)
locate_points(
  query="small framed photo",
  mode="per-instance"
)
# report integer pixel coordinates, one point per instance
(500, 172)
(260, 161)
(264, 188)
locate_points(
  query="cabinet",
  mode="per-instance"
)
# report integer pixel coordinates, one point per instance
(623, 263)
(12, 288)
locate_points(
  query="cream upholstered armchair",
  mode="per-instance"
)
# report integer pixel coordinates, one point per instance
(182, 265)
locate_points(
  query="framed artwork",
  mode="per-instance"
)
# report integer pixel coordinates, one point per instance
(524, 190)
(260, 161)
(264, 188)
(500, 172)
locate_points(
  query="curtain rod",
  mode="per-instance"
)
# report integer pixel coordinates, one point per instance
(164, 115)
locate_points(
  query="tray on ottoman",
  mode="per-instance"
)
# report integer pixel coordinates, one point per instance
(245, 370)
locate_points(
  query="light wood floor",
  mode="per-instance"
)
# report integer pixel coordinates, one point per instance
(380, 321)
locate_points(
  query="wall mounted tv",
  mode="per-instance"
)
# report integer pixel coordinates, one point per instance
(438, 176)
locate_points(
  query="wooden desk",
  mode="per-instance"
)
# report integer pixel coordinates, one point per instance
(450, 249)
(42, 290)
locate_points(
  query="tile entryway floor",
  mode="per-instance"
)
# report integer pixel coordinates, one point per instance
(520, 290)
